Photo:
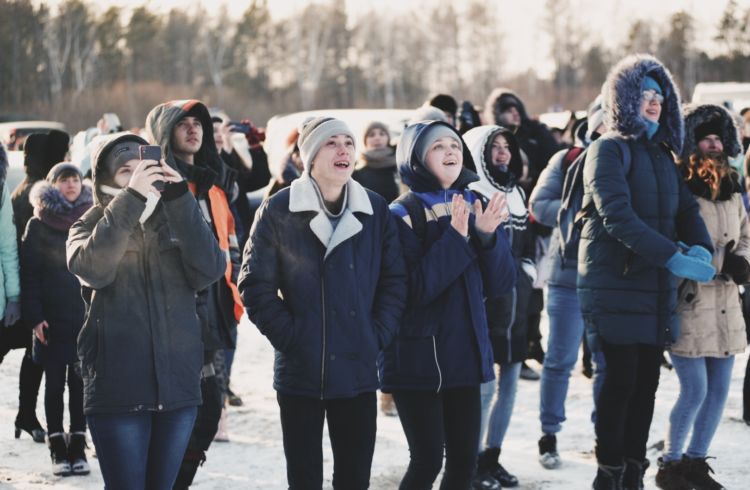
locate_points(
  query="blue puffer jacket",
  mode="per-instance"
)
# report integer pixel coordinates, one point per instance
(627, 295)
(340, 304)
(444, 338)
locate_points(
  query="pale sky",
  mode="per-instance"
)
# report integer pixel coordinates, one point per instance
(521, 20)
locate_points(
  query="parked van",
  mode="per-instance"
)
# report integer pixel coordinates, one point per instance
(732, 95)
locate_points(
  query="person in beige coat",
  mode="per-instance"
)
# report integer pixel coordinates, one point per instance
(712, 326)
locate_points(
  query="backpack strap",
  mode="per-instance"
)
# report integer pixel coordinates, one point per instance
(414, 207)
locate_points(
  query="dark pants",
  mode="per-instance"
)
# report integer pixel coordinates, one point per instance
(626, 403)
(54, 404)
(534, 318)
(352, 423)
(141, 451)
(213, 388)
(433, 422)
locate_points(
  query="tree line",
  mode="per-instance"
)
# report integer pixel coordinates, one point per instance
(72, 63)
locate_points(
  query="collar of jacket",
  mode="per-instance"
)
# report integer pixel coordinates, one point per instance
(302, 197)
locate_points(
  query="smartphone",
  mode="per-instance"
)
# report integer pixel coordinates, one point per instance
(152, 152)
(237, 127)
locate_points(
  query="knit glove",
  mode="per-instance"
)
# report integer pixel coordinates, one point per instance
(696, 251)
(735, 265)
(683, 265)
(12, 313)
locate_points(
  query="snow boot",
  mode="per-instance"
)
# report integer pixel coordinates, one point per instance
(671, 475)
(548, 455)
(491, 463)
(483, 479)
(632, 477)
(608, 478)
(234, 400)
(697, 474)
(58, 451)
(77, 454)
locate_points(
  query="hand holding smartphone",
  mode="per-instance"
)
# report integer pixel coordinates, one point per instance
(153, 152)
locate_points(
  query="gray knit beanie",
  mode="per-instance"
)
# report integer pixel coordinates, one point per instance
(314, 132)
(432, 134)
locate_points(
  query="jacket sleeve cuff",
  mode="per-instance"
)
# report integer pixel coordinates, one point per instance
(136, 194)
(173, 191)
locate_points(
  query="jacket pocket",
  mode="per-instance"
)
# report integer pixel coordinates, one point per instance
(687, 296)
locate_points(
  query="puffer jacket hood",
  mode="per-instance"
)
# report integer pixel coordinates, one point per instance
(164, 117)
(412, 169)
(495, 100)
(696, 115)
(477, 139)
(101, 147)
(622, 101)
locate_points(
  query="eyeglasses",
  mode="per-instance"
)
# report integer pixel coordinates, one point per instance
(649, 95)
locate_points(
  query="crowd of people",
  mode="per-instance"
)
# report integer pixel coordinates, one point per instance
(419, 268)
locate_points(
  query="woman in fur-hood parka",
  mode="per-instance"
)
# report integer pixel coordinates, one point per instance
(637, 208)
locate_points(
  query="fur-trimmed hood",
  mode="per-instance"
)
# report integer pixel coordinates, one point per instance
(622, 101)
(46, 196)
(695, 116)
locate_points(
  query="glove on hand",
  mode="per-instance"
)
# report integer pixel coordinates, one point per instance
(12, 313)
(683, 265)
(735, 265)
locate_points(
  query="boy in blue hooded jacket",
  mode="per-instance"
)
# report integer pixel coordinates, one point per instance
(442, 353)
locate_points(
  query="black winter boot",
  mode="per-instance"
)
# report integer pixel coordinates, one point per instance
(608, 478)
(671, 475)
(29, 379)
(496, 470)
(58, 451)
(697, 474)
(485, 462)
(77, 454)
(548, 455)
(632, 477)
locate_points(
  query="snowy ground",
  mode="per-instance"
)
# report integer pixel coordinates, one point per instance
(254, 458)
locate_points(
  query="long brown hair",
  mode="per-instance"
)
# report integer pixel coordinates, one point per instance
(711, 169)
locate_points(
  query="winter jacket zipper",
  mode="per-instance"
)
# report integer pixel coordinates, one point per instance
(437, 364)
(144, 263)
(323, 333)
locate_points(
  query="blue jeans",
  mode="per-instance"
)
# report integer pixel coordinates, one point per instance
(565, 333)
(138, 451)
(497, 417)
(704, 385)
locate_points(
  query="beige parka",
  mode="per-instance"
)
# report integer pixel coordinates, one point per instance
(711, 318)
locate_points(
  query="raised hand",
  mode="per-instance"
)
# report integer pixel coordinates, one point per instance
(489, 219)
(460, 215)
(146, 173)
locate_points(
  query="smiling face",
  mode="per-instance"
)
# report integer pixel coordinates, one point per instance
(187, 138)
(651, 105)
(69, 185)
(444, 159)
(334, 162)
(711, 145)
(500, 151)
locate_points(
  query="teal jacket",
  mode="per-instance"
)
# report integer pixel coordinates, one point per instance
(10, 284)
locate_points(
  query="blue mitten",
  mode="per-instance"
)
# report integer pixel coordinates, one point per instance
(699, 253)
(683, 265)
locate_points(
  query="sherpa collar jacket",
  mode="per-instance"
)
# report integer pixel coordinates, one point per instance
(328, 299)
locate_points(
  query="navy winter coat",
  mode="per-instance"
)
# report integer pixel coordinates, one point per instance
(328, 310)
(444, 339)
(627, 295)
